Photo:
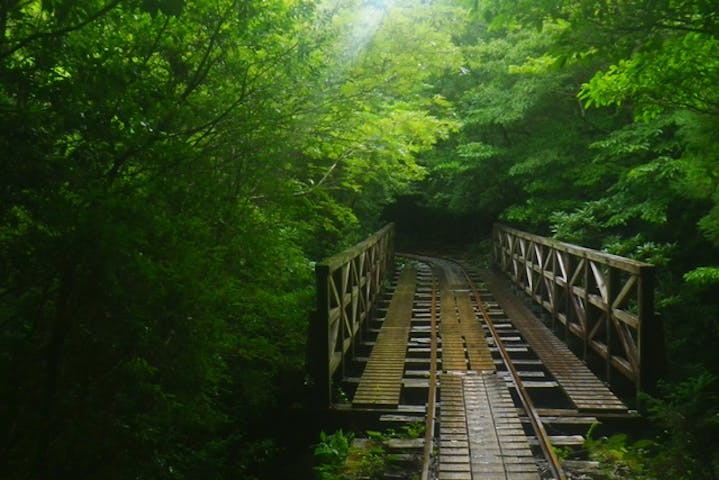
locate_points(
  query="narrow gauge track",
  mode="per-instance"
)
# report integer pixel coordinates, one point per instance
(471, 393)
(443, 352)
(553, 462)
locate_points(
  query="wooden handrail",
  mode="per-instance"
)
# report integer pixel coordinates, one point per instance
(605, 300)
(623, 263)
(336, 261)
(348, 286)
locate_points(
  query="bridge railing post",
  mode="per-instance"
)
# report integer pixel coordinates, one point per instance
(608, 301)
(652, 359)
(318, 358)
(342, 309)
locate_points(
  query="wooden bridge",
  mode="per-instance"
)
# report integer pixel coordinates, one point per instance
(554, 337)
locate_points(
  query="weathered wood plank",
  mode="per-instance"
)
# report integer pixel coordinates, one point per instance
(585, 390)
(381, 382)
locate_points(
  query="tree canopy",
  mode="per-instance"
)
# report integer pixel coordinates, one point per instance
(171, 169)
(596, 122)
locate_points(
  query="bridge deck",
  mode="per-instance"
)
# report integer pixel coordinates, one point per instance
(381, 381)
(481, 435)
(584, 389)
(460, 328)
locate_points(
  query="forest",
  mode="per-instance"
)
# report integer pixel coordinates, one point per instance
(171, 170)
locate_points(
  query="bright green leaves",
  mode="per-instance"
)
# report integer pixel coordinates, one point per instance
(522, 136)
(681, 73)
(703, 276)
(598, 121)
(413, 45)
(366, 105)
(476, 151)
(655, 64)
(169, 167)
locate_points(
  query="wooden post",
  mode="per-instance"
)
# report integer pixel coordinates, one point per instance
(652, 361)
(587, 310)
(320, 351)
(342, 287)
(613, 283)
(323, 359)
(569, 265)
(554, 291)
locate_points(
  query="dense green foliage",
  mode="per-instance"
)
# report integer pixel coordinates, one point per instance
(596, 122)
(170, 169)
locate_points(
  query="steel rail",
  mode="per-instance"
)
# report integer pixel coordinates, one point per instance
(432, 395)
(553, 461)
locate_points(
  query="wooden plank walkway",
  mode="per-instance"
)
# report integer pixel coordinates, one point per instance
(480, 432)
(481, 435)
(381, 382)
(453, 434)
(460, 328)
(584, 389)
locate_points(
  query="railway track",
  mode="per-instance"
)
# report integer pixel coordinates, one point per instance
(443, 352)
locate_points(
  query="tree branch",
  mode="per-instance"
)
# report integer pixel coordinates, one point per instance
(62, 31)
(320, 182)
